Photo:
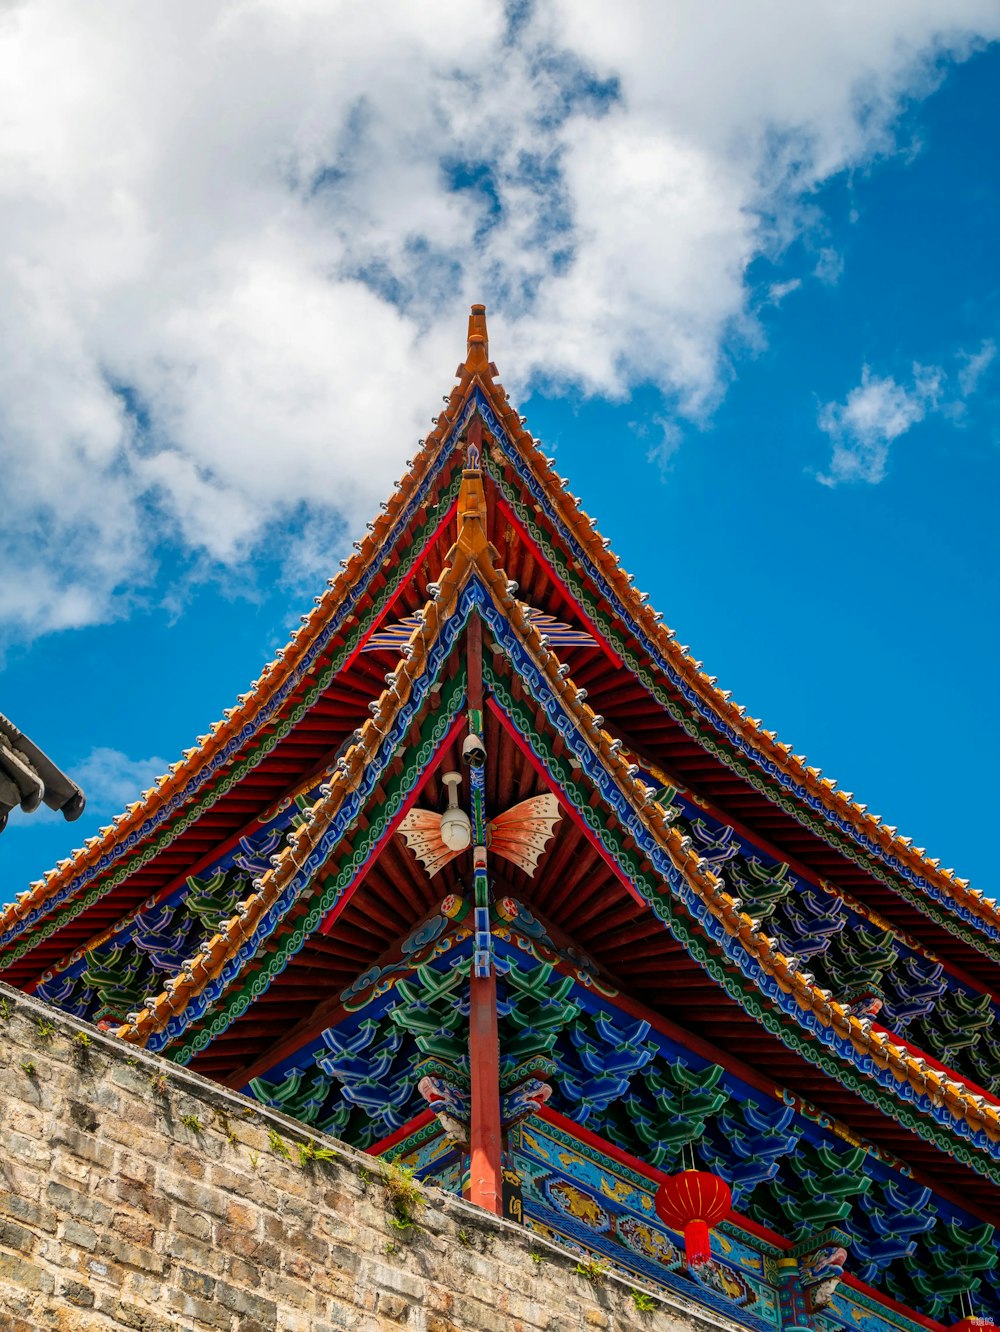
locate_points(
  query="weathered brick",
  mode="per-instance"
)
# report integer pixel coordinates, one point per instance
(75, 1232)
(263, 1252)
(81, 1114)
(133, 1165)
(203, 1311)
(394, 1307)
(179, 1232)
(140, 1287)
(198, 1283)
(33, 1214)
(287, 1294)
(101, 1270)
(239, 1182)
(191, 1192)
(190, 1222)
(85, 1146)
(13, 1236)
(9, 1322)
(20, 1272)
(246, 1302)
(26, 1149)
(142, 1320)
(242, 1217)
(383, 1277)
(130, 1132)
(78, 1293)
(102, 1096)
(76, 1203)
(136, 1228)
(302, 1242)
(141, 1197)
(188, 1162)
(189, 1250)
(435, 1323)
(122, 1251)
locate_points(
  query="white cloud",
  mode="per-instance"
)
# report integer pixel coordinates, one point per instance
(974, 366)
(874, 414)
(879, 410)
(111, 780)
(829, 266)
(777, 291)
(237, 239)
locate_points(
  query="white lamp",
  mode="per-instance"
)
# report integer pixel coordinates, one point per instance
(456, 827)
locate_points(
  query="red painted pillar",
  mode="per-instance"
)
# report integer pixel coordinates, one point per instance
(485, 1179)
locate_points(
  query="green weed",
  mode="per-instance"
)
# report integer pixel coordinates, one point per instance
(309, 1152)
(403, 1194)
(593, 1269)
(278, 1145)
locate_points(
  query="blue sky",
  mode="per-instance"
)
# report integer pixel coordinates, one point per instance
(752, 313)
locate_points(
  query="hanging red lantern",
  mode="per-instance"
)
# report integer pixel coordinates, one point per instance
(974, 1324)
(693, 1202)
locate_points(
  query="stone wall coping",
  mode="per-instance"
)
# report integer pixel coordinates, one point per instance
(462, 1214)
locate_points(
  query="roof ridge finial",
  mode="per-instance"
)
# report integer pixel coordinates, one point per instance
(478, 357)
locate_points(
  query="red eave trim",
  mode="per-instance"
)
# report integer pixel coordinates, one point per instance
(564, 804)
(417, 1122)
(333, 915)
(541, 559)
(936, 1065)
(417, 560)
(890, 1303)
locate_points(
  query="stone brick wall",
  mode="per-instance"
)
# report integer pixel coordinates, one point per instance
(134, 1194)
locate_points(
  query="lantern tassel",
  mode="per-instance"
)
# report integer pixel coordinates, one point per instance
(697, 1244)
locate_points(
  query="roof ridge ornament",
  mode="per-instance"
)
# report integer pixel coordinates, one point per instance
(477, 360)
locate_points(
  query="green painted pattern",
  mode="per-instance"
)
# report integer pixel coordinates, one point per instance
(597, 610)
(120, 979)
(414, 1140)
(434, 730)
(827, 1185)
(953, 1259)
(428, 1008)
(397, 571)
(734, 983)
(962, 1032)
(682, 1102)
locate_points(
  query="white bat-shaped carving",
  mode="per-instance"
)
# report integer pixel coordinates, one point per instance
(519, 835)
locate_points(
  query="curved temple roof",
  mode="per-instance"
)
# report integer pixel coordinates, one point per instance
(470, 558)
(202, 762)
(478, 478)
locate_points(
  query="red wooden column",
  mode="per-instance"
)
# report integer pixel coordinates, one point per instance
(485, 1179)
(485, 1183)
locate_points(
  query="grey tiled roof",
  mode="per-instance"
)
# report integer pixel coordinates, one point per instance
(28, 778)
